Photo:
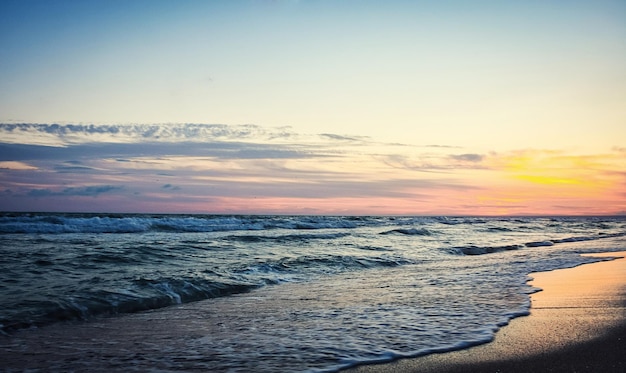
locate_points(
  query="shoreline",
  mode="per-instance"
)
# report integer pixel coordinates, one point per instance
(586, 331)
(577, 322)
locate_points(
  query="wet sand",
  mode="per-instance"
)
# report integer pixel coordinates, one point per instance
(577, 324)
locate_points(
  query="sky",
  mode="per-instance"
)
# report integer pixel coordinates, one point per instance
(313, 107)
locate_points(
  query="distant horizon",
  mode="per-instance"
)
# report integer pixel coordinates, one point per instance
(301, 215)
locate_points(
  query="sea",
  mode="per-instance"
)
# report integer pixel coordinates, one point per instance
(217, 293)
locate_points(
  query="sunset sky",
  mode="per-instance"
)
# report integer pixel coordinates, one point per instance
(313, 107)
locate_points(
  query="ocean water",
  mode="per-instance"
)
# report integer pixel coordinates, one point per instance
(272, 293)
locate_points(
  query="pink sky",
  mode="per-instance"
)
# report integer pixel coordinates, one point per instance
(250, 169)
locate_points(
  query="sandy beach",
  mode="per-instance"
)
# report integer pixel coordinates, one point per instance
(577, 324)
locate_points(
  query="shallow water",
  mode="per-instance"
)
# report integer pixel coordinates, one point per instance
(236, 293)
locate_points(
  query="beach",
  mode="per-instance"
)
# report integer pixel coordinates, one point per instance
(577, 324)
(102, 293)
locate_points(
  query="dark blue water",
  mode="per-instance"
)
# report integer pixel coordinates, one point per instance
(290, 293)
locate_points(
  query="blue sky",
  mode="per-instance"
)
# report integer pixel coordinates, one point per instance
(401, 88)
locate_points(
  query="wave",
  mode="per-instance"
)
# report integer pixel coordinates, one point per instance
(409, 231)
(144, 294)
(86, 223)
(286, 237)
(147, 293)
(60, 223)
(480, 250)
(311, 265)
(539, 243)
(499, 229)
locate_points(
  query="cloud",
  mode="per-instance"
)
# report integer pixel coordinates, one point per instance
(468, 157)
(191, 167)
(325, 189)
(79, 142)
(89, 191)
(22, 152)
(13, 165)
(343, 137)
(441, 146)
(74, 167)
(435, 162)
(66, 134)
(225, 150)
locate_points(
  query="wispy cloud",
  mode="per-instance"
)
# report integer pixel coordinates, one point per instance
(66, 134)
(474, 158)
(345, 138)
(15, 165)
(219, 168)
(435, 162)
(90, 191)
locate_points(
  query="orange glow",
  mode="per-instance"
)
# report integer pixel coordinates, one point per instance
(357, 180)
(517, 183)
(548, 180)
